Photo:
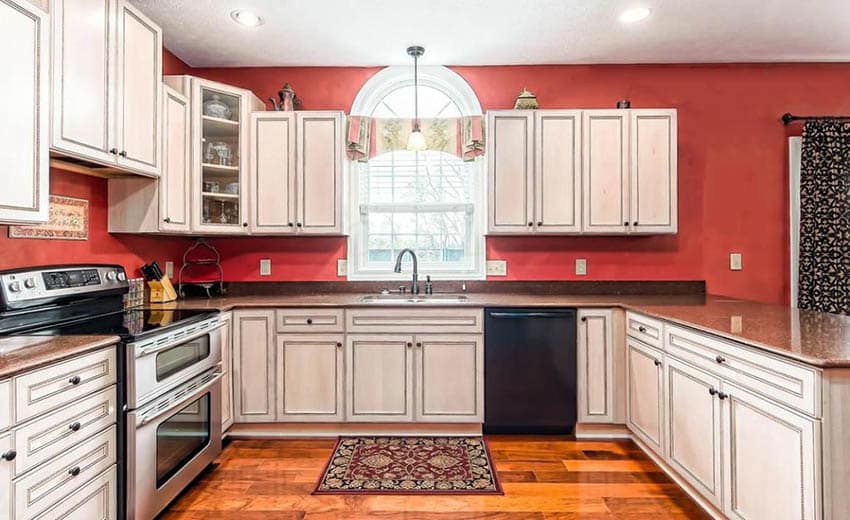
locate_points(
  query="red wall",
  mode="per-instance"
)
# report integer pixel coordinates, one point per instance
(732, 173)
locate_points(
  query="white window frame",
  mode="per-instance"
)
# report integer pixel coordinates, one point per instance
(372, 93)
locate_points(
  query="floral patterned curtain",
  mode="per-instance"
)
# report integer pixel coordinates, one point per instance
(367, 137)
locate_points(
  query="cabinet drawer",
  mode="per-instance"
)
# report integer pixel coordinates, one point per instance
(415, 320)
(794, 385)
(310, 320)
(54, 434)
(47, 485)
(56, 385)
(97, 499)
(645, 329)
(5, 405)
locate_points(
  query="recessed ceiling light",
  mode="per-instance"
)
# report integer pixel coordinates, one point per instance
(635, 15)
(246, 18)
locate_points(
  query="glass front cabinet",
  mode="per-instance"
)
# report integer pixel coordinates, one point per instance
(219, 129)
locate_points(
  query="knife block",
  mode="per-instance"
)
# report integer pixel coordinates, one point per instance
(161, 291)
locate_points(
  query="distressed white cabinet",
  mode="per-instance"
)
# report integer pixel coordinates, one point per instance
(319, 178)
(253, 366)
(107, 75)
(653, 200)
(694, 427)
(310, 376)
(379, 378)
(7, 473)
(534, 171)
(272, 180)
(595, 366)
(226, 371)
(770, 460)
(449, 378)
(25, 54)
(605, 171)
(645, 402)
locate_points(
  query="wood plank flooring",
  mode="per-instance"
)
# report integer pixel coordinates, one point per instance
(544, 478)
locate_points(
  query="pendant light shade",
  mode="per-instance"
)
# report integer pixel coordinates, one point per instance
(416, 141)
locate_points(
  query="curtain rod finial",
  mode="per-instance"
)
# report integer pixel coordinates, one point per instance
(787, 118)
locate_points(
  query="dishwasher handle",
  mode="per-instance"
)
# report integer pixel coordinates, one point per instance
(533, 314)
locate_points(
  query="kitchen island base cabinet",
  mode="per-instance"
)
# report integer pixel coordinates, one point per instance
(645, 403)
(379, 378)
(310, 374)
(254, 366)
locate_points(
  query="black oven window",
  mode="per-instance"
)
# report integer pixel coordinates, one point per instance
(182, 356)
(180, 437)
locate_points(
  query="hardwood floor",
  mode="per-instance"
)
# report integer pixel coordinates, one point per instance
(544, 478)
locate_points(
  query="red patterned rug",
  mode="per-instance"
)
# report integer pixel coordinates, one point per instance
(410, 465)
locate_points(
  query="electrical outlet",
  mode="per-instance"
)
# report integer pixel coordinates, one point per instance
(265, 267)
(497, 268)
(581, 266)
(735, 262)
(341, 267)
(169, 269)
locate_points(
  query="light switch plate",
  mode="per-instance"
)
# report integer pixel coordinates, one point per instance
(497, 268)
(169, 269)
(265, 267)
(735, 262)
(341, 267)
(581, 266)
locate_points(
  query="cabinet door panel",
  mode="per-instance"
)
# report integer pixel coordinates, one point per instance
(138, 94)
(24, 52)
(605, 171)
(694, 427)
(310, 377)
(595, 366)
(770, 459)
(83, 71)
(645, 400)
(254, 366)
(510, 165)
(653, 171)
(450, 378)
(175, 186)
(379, 376)
(273, 172)
(319, 199)
(557, 172)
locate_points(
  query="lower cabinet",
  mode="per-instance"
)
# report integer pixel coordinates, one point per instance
(7, 472)
(595, 345)
(253, 366)
(449, 378)
(645, 403)
(768, 447)
(310, 378)
(226, 372)
(379, 378)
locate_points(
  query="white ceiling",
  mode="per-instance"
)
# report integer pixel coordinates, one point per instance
(502, 32)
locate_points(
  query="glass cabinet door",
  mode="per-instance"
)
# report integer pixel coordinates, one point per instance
(220, 149)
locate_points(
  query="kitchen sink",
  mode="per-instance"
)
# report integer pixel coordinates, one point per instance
(433, 299)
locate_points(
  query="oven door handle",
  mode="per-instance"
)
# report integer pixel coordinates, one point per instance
(153, 350)
(145, 419)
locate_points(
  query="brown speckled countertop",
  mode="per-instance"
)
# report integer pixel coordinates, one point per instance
(814, 338)
(21, 353)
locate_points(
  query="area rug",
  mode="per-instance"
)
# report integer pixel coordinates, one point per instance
(410, 466)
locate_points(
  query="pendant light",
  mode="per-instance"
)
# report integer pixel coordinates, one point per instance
(416, 141)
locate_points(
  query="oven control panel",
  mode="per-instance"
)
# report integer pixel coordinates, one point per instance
(19, 287)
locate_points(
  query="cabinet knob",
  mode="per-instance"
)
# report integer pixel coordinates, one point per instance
(338, 344)
(721, 395)
(539, 222)
(75, 427)
(625, 223)
(167, 220)
(418, 344)
(75, 380)
(530, 224)
(9, 455)
(244, 224)
(584, 318)
(298, 224)
(712, 391)
(113, 151)
(290, 224)
(74, 471)
(720, 359)
(635, 223)
(309, 321)
(657, 362)
(123, 153)
(409, 344)
(642, 329)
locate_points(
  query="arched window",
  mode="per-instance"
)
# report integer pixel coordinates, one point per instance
(429, 201)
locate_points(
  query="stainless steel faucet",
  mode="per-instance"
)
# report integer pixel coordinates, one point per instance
(414, 287)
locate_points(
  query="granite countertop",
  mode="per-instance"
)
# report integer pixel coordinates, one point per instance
(21, 353)
(814, 338)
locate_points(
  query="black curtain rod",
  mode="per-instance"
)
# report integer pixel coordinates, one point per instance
(788, 118)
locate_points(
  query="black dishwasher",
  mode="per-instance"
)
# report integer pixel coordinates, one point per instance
(530, 370)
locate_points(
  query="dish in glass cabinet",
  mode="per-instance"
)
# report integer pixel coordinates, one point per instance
(215, 107)
(219, 152)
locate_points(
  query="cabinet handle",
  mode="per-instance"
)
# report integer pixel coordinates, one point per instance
(721, 395)
(539, 222)
(244, 224)
(167, 220)
(657, 362)
(298, 224)
(720, 359)
(113, 151)
(9, 455)
(419, 344)
(625, 223)
(309, 321)
(123, 153)
(584, 318)
(409, 344)
(74, 471)
(635, 223)
(75, 427)
(530, 224)
(338, 344)
(712, 391)
(641, 329)
(75, 380)
(290, 224)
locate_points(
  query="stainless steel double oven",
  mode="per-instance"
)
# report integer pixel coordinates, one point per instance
(173, 420)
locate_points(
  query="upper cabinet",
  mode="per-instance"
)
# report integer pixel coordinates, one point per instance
(582, 171)
(296, 177)
(24, 51)
(107, 72)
